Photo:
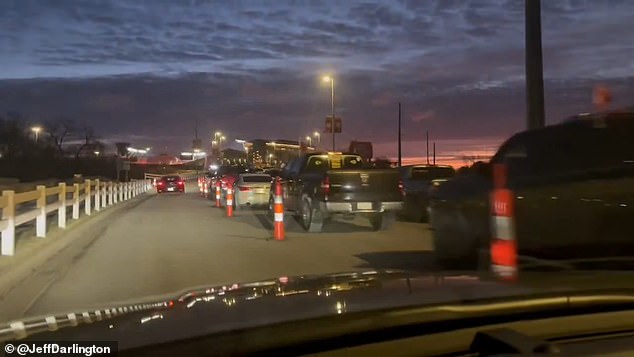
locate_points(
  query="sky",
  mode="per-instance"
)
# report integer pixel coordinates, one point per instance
(147, 71)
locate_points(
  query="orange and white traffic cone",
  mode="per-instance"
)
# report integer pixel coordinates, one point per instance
(503, 243)
(218, 194)
(205, 189)
(278, 212)
(200, 184)
(229, 202)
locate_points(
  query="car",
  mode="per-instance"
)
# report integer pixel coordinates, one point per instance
(418, 182)
(251, 189)
(573, 189)
(320, 185)
(170, 183)
(227, 175)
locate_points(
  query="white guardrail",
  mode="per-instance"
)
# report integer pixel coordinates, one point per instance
(94, 194)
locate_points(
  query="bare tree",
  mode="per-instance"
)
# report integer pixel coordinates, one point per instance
(89, 140)
(59, 131)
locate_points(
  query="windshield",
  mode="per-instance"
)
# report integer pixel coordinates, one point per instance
(149, 147)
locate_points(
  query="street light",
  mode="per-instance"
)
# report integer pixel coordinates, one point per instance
(332, 107)
(309, 140)
(318, 136)
(36, 130)
(96, 153)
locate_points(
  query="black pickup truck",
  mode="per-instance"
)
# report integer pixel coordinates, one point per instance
(573, 186)
(319, 185)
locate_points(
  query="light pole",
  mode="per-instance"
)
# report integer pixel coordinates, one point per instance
(332, 108)
(318, 136)
(36, 130)
(309, 140)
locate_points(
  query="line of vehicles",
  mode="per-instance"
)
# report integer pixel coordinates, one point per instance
(318, 186)
(573, 187)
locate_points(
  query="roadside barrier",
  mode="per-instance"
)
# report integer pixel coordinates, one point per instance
(205, 191)
(229, 202)
(503, 242)
(91, 194)
(278, 212)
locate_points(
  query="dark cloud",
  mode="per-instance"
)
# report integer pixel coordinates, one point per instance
(151, 68)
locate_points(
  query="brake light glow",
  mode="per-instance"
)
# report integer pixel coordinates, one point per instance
(244, 188)
(181, 183)
(325, 186)
(161, 183)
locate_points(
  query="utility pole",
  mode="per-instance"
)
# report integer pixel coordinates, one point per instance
(534, 67)
(399, 136)
(427, 142)
(434, 153)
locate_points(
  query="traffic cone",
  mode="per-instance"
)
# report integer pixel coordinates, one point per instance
(200, 184)
(278, 212)
(205, 189)
(503, 243)
(229, 202)
(218, 193)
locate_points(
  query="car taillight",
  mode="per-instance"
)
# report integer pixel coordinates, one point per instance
(325, 186)
(160, 183)
(244, 188)
(401, 187)
(181, 183)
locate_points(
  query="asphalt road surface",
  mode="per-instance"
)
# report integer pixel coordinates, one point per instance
(170, 242)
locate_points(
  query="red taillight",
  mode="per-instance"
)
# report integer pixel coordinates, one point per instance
(244, 188)
(181, 183)
(161, 183)
(401, 187)
(325, 185)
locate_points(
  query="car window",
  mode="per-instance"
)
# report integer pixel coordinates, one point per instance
(256, 178)
(317, 163)
(431, 173)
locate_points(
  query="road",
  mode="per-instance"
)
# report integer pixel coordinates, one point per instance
(170, 242)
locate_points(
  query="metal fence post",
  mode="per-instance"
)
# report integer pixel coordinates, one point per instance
(76, 201)
(97, 195)
(126, 191)
(88, 199)
(110, 193)
(115, 191)
(8, 234)
(61, 210)
(40, 220)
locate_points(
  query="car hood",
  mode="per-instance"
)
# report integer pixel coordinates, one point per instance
(208, 310)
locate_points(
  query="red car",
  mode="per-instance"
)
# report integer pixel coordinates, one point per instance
(172, 183)
(227, 175)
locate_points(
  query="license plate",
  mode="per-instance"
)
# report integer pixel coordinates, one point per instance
(364, 205)
(170, 189)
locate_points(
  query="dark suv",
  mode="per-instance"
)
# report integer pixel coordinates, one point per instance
(573, 186)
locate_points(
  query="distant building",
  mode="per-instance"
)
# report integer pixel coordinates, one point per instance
(232, 156)
(262, 152)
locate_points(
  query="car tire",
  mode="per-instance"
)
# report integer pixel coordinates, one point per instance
(311, 219)
(455, 245)
(382, 221)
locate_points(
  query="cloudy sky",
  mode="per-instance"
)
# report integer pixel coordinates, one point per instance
(145, 71)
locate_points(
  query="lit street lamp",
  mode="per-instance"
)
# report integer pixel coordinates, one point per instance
(318, 136)
(309, 140)
(332, 107)
(96, 153)
(36, 130)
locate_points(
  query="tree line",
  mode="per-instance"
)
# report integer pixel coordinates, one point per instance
(61, 137)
